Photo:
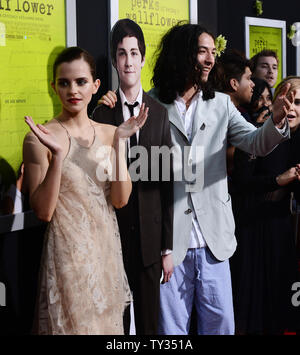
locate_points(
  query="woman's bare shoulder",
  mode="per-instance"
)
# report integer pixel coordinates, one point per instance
(31, 142)
(105, 132)
(53, 125)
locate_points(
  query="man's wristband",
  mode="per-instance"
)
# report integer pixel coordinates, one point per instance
(166, 252)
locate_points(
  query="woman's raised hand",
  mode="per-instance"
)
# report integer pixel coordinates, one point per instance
(289, 176)
(131, 126)
(47, 138)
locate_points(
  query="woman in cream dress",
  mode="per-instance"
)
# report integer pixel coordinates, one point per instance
(76, 173)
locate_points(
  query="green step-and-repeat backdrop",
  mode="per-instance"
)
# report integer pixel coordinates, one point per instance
(31, 34)
(155, 19)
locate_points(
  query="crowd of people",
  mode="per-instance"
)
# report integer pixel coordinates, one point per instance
(217, 250)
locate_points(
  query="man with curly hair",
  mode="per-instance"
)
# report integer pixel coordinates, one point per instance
(203, 238)
(203, 225)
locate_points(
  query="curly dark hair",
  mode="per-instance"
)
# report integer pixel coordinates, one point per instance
(177, 67)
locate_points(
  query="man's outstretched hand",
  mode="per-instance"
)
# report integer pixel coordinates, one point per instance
(282, 106)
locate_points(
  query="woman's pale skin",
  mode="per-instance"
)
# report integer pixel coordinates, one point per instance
(46, 146)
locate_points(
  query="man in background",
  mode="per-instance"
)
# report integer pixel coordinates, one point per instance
(264, 65)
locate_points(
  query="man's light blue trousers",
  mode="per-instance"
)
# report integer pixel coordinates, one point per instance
(204, 281)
